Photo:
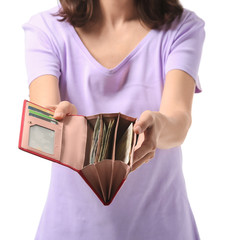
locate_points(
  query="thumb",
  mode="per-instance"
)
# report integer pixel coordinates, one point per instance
(64, 108)
(143, 122)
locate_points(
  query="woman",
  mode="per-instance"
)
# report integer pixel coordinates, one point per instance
(139, 58)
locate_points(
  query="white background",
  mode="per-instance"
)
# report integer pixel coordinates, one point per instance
(24, 178)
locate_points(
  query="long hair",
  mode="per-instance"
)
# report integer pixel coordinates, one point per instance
(153, 13)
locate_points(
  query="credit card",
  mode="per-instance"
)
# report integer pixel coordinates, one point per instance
(40, 111)
(42, 114)
(38, 108)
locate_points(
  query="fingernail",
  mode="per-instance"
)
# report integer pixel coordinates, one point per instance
(138, 129)
(58, 115)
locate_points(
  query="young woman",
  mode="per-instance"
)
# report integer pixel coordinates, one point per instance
(137, 57)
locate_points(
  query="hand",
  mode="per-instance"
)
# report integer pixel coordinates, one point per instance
(62, 109)
(148, 127)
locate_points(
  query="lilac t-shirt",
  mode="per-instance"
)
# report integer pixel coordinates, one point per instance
(152, 203)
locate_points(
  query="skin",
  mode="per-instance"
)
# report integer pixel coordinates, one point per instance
(114, 35)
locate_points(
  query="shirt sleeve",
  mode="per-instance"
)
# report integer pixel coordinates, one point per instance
(186, 48)
(40, 53)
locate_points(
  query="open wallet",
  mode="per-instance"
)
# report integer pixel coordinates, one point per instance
(99, 147)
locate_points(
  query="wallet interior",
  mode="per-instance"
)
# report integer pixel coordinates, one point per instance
(107, 174)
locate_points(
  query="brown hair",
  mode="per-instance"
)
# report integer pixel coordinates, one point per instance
(153, 13)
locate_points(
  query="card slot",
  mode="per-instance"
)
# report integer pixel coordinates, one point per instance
(41, 137)
(44, 118)
(39, 110)
(31, 121)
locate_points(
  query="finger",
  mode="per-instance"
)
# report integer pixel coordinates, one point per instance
(145, 159)
(148, 145)
(51, 107)
(63, 109)
(145, 121)
(139, 141)
(141, 152)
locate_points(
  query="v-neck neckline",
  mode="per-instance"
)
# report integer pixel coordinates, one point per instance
(97, 63)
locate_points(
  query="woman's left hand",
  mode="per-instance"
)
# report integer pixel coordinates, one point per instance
(149, 128)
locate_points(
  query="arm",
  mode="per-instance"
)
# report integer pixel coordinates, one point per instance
(176, 106)
(168, 127)
(44, 91)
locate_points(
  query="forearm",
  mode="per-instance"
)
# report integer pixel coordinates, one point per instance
(173, 129)
(45, 91)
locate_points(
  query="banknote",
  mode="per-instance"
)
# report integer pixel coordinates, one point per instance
(94, 144)
(106, 140)
(124, 145)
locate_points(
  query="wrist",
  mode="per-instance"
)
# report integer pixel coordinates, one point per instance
(174, 129)
(160, 121)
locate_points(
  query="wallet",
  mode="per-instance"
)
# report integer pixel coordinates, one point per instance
(99, 147)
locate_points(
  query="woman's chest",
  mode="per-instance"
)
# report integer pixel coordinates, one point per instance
(130, 88)
(111, 48)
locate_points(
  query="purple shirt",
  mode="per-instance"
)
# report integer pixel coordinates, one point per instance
(152, 203)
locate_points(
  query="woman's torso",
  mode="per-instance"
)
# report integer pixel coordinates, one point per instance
(152, 203)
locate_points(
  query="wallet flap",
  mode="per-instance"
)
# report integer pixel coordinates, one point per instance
(92, 178)
(74, 141)
(104, 169)
(120, 173)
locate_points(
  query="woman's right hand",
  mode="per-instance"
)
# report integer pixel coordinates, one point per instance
(44, 91)
(62, 109)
